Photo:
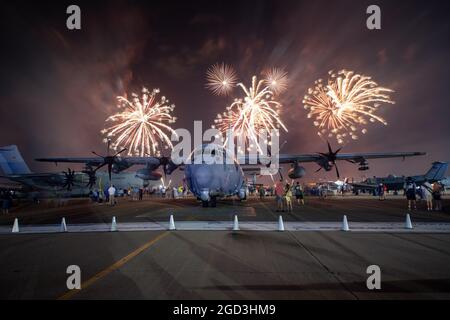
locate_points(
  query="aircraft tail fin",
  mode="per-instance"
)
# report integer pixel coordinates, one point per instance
(437, 171)
(11, 161)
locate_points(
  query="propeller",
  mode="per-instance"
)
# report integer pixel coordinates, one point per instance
(331, 157)
(108, 160)
(69, 179)
(168, 165)
(92, 177)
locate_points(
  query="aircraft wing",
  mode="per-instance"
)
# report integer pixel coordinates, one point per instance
(352, 157)
(88, 160)
(96, 161)
(29, 175)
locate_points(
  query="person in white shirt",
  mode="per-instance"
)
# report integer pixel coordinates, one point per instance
(111, 192)
(427, 191)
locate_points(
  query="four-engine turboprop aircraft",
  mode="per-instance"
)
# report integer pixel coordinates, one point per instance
(210, 181)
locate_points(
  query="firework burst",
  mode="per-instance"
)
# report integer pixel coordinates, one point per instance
(345, 105)
(142, 124)
(221, 79)
(257, 110)
(276, 79)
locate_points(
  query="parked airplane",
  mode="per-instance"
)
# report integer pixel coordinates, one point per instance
(66, 183)
(210, 181)
(436, 173)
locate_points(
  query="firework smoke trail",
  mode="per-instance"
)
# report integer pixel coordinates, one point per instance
(345, 105)
(221, 79)
(142, 124)
(258, 110)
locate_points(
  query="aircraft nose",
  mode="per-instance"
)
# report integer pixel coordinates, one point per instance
(203, 175)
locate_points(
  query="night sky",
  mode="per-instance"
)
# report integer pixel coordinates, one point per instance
(58, 86)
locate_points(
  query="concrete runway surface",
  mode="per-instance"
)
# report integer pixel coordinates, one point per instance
(159, 264)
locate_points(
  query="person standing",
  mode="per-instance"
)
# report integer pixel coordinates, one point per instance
(6, 202)
(437, 196)
(141, 194)
(410, 191)
(299, 193)
(288, 197)
(261, 192)
(380, 191)
(427, 191)
(279, 193)
(111, 193)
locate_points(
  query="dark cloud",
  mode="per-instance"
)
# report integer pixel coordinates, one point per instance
(58, 86)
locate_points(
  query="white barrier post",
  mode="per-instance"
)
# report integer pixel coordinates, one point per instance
(345, 224)
(114, 224)
(408, 224)
(171, 223)
(280, 223)
(236, 223)
(63, 227)
(15, 228)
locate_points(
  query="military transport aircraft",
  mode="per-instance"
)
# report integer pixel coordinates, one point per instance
(66, 183)
(210, 181)
(394, 183)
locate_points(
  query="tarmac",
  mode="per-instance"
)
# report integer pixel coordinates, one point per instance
(312, 259)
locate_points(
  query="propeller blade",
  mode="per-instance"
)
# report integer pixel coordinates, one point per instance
(330, 151)
(124, 149)
(100, 166)
(95, 153)
(337, 171)
(109, 172)
(320, 168)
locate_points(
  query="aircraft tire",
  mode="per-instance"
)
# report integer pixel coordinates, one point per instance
(205, 204)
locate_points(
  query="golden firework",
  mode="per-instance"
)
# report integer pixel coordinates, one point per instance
(257, 110)
(142, 124)
(345, 104)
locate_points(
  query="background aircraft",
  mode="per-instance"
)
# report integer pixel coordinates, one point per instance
(210, 181)
(436, 173)
(66, 183)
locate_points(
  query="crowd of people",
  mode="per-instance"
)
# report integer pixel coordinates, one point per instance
(109, 194)
(431, 193)
(284, 196)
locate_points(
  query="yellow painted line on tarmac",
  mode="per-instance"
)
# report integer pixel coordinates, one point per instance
(69, 294)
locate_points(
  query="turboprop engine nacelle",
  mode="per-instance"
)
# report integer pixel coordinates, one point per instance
(148, 174)
(296, 172)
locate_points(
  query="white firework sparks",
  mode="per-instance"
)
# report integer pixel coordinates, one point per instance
(221, 79)
(142, 124)
(258, 110)
(276, 79)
